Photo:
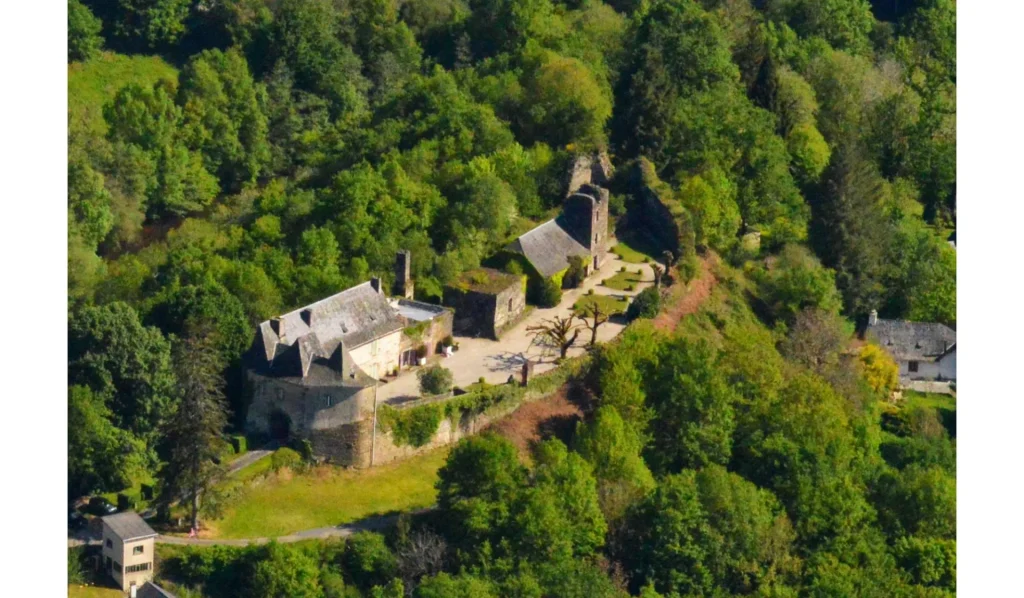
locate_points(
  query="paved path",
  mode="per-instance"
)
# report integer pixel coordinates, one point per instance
(495, 360)
(376, 523)
(247, 459)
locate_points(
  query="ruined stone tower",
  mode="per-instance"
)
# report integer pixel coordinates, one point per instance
(403, 274)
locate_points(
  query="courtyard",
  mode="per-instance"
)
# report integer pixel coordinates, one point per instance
(494, 360)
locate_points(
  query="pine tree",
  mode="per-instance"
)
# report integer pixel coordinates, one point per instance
(192, 435)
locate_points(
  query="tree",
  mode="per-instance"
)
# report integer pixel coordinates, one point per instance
(645, 305)
(568, 479)
(368, 561)
(129, 364)
(849, 230)
(100, 455)
(285, 571)
(700, 531)
(597, 317)
(84, 39)
(565, 104)
(559, 331)
(815, 339)
(693, 408)
(880, 371)
(434, 380)
(419, 555)
(193, 434)
(156, 23)
(223, 116)
(795, 281)
(613, 449)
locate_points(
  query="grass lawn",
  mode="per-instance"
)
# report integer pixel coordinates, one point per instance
(77, 591)
(631, 253)
(623, 280)
(329, 496)
(608, 304)
(91, 84)
(938, 401)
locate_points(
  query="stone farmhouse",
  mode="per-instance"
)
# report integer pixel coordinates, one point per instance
(313, 372)
(128, 547)
(580, 230)
(923, 350)
(486, 302)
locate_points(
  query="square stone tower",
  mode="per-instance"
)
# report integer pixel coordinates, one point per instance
(403, 274)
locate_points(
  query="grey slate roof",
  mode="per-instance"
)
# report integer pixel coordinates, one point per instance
(151, 590)
(913, 341)
(129, 526)
(548, 247)
(323, 332)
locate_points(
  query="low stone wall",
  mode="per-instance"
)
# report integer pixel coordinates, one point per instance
(449, 432)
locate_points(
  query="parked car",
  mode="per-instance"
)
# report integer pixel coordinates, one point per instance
(75, 519)
(101, 506)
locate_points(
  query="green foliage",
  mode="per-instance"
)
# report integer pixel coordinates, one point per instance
(414, 426)
(154, 23)
(84, 39)
(285, 571)
(549, 293)
(645, 305)
(880, 371)
(796, 280)
(930, 562)
(709, 529)
(435, 380)
(367, 560)
(574, 276)
(285, 457)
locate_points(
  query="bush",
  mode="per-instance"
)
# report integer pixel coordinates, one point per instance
(303, 447)
(421, 351)
(448, 341)
(367, 560)
(239, 444)
(622, 269)
(482, 380)
(645, 305)
(435, 380)
(575, 274)
(549, 294)
(590, 291)
(285, 457)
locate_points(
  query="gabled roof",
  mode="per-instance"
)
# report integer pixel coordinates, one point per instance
(151, 590)
(913, 341)
(129, 526)
(548, 247)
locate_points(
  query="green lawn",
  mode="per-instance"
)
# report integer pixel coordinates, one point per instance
(939, 401)
(329, 496)
(631, 253)
(608, 304)
(77, 591)
(91, 84)
(623, 280)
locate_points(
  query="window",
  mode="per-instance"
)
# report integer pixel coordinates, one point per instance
(137, 568)
(137, 550)
(109, 543)
(329, 400)
(510, 304)
(912, 366)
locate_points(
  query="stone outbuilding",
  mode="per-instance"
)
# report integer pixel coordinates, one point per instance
(923, 350)
(486, 302)
(128, 546)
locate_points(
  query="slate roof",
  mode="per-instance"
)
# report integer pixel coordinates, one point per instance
(913, 341)
(151, 590)
(323, 332)
(548, 247)
(129, 526)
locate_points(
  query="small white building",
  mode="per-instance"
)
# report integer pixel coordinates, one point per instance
(128, 545)
(923, 350)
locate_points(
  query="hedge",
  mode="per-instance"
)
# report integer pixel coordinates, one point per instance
(239, 444)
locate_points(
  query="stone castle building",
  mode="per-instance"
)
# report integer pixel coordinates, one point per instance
(486, 302)
(313, 372)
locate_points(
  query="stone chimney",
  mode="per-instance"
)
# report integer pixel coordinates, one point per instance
(375, 284)
(873, 317)
(403, 275)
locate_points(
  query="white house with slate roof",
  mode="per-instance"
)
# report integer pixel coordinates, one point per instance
(923, 350)
(128, 545)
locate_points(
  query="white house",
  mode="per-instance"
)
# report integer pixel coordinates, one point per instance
(923, 350)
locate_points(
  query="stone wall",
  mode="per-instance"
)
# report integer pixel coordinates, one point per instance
(379, 356)
(485, 314)
(509, 305)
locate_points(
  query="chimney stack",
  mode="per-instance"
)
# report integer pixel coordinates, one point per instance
(403, 274)
(873, 317)
(375, 283)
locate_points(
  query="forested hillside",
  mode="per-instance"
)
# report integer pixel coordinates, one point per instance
(232, 159)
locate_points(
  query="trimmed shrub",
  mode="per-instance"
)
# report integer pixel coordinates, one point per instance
(645, 305)
(285, 457)
(622, 269)
(239, 444)
(435, 380)
(482, 380)
(549, 293)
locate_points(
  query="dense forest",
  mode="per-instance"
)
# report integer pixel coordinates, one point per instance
(232, 159)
